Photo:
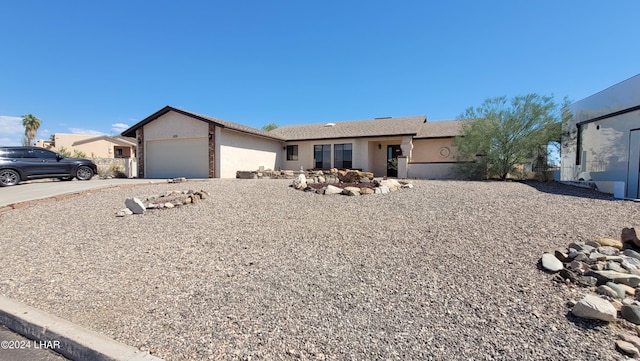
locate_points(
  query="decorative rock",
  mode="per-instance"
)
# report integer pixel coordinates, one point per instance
(609, 242)
(595, 308)
(124, 212)
(300, 182)
(619, 290)
(168, 205)
(592, 244)
(629, 235)
(351, 191)
(135, 205)
(628, 289)
(631, 253)
(587, 281)
(408, 185)
(627, 348)
(366, 191)
(631, 313)
(561, 255)
(606, 291)
(616, 304)
(609, 251)
(551, 263)
(578, 267)
(597, 256)
(581, 257)
(332, 190)
(615, 266)
(568, 275)
(617, 277)
(635, 340)
(578, 246)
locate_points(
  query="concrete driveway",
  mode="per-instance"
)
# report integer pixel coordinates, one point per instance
(42, 189)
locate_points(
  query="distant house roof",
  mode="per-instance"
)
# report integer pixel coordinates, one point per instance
(441, 129)
(118, 140)
(379, 127)
(131, 132)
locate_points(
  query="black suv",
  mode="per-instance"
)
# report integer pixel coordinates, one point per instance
(24, 163)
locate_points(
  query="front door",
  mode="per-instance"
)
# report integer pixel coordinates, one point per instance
(633, 177)
(393, 151)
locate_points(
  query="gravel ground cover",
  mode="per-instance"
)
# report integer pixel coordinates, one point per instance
(446, 270)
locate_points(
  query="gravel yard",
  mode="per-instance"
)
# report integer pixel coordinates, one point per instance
(446, 270)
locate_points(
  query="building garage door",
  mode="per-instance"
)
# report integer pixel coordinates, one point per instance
(177, 158)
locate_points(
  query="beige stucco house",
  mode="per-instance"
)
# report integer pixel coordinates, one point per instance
(178, 143)
(102, 146)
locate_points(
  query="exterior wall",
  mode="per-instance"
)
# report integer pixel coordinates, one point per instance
(435, 150)
(431, 171)
(238, 151)
(378, 160)
(600, 152)
(175, 126)
(365, 153)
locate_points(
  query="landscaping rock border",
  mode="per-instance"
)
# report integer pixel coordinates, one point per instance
(347, 182)
(609, 268)
(165, 200)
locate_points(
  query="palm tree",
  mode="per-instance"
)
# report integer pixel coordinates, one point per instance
(31, 124)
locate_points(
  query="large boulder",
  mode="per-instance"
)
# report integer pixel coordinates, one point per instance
(135, 205)
(629, 236)
(300, 182)
(594, 308)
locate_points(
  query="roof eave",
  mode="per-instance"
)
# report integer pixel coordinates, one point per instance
(352, 137)
(131, 132)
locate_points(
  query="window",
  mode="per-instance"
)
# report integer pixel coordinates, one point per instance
(342, 156)
(44, 154)
(292, 152)
(322, 156)
(119, 152)
(578, 143)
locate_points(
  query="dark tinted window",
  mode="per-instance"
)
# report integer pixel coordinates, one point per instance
(43, 154)
(15, 153)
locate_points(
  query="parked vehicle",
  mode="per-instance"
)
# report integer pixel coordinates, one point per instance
(24, 163)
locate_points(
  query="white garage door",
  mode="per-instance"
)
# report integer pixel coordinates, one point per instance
(177, 158)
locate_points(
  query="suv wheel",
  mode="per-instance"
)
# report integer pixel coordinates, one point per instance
(84, 173)
(9, 177)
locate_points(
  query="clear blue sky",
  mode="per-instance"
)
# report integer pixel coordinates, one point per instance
(100, 66)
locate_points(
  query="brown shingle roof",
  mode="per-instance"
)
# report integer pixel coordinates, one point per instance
(416, 126)
(131, 132)
(441, 129)
(352, 129)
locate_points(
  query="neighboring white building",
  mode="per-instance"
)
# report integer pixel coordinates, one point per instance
(601, 142)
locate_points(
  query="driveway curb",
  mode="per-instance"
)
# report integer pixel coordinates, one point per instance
(63, 337)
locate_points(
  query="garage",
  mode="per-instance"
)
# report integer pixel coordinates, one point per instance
(177, 158)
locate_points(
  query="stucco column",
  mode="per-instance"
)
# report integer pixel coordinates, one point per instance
(403, 166)
(407, 146)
